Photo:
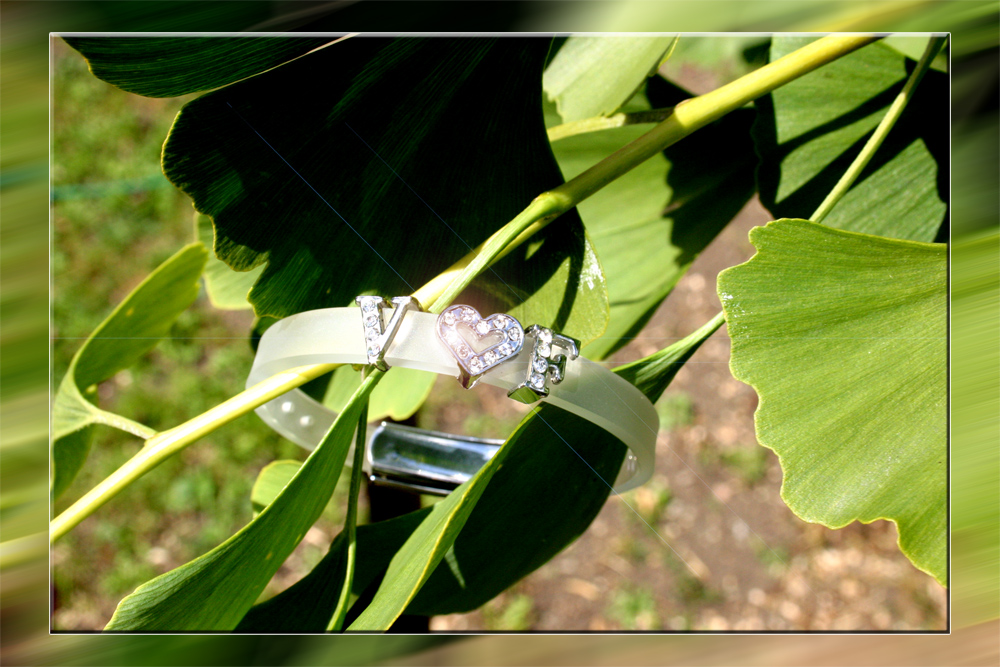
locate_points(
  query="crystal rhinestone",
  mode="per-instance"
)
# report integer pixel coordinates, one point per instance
(371, 334)
(499, 322)
(515, 334)
(453, 338)
(540, 365)
(374, 349)
(368, 305)
(490, 357)
(545, 335)
(468, 314)
(537, 381)
(505, 349)
(464, 351)
(449, 318)
(371, 319)
(542, 349)
(482, 327)
(476, 365)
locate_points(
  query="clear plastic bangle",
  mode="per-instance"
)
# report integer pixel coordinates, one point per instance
(336, 335)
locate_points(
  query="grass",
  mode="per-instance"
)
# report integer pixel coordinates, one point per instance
(115, 217)
(515, 614)
(634, 609)
(675, 410)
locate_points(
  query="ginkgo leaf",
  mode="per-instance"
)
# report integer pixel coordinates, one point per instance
(844, 337)
(135, 327)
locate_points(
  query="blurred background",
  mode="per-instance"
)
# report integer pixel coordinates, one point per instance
(754, 565)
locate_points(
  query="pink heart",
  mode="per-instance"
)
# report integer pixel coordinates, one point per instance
(459, 319)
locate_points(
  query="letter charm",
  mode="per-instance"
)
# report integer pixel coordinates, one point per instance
(378, 335)
(543, 364)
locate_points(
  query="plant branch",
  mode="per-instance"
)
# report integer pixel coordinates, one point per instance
(688, 116)
(350, 524)
(166, 444)
(599, 123)
(437, 294)
(697, 112)
(873, 143)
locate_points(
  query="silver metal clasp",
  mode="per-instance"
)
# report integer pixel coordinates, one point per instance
(414, 459)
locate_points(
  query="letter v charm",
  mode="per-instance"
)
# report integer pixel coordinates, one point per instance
(378, 335)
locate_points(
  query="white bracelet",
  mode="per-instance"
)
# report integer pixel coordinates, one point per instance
(533, 364)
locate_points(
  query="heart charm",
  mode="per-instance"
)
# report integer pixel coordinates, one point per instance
(478, 343)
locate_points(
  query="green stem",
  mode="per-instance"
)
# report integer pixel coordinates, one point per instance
(688, 116)
(166, 444)
(337, 620)
(123, 423)
(599, 123)
(873, 143)
(697, 112)
(436, 295)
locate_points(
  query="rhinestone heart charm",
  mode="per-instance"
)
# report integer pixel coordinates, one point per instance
(478, 343)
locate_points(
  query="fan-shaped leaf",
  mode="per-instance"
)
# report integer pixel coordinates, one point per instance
(844, 337)
(809, 131)
(594, 76)
(227, 289)
(444, 134)
(650, 225)
(132, 329)
(172, 66)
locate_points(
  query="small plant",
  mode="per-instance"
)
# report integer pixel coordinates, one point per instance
(634, 609)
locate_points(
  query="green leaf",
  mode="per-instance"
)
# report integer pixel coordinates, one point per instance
(650, 225)
(172, 66)
(398, 395)
(274, 477)
(913, 48)
(441, 137)
(555, 280)
(810, 130)
(132, 329)
(844, 338)
(975, 405)
(594, 76)
(214, 591)
(306, 605)
(226, 289)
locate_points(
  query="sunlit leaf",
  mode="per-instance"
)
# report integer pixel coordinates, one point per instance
(844, 337)
(274, 477)
(171, 66)
(132, 329)
(650, 225)
(227, 289)
(809, 131)
(397, 396)
(594, 76)
(214, 591)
